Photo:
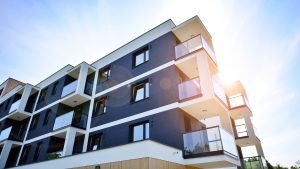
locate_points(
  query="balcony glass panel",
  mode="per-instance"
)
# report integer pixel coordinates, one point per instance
(199, 143)
(189, 89)
(237, 101)
(70, 88)
(5, 133)
(14, 106)
(256, 162)
(208, 49)
(63, 120)
(219, 91)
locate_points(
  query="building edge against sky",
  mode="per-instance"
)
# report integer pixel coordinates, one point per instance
(157, 101)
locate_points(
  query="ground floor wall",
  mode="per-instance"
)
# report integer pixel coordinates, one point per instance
(141, 163)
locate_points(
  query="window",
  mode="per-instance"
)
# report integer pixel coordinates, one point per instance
(43, 94)
(25, 154)
(47, 116)
(140, 132)
(7, 104)
(34, 123)
(37, 151)
(104, 74)
(140, 91)
(95, 142)
(141, 57)
(100, 106)
(54, 89)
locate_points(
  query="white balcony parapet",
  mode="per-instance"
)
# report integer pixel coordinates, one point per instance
(14, 106)
(5, 133)
(63, 120)
(189, 89)
(70, 88)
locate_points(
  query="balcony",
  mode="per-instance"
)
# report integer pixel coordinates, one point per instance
(69, 89)
(257, 162)
(192, 45)
(219, 90)
(14, 107)
(207, 142)
(189, 89)
(238, 101)
(70, 119)
(12, 133)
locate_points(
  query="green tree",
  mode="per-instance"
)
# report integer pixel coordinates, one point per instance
(269, 165)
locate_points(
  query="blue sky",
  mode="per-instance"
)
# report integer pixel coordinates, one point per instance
(255, 41)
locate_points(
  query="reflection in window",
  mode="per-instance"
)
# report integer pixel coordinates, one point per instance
(141, 57)
(140, 91)
(140, 132)
(100, 106)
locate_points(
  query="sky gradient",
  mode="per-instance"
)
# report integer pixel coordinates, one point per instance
(255, 41)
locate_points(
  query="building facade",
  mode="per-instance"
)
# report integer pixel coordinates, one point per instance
(155, 102)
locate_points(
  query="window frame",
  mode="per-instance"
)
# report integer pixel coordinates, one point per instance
(43, 94)
(55, 88)
(102, 79)
(146, 56)
(145, 132)
(92, 142)
(104, 101)
(145, 85)
(25, 153)
(37, 151)
(47, 117)
(34, 122)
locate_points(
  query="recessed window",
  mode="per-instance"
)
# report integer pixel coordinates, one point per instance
(141, 57)
(34, 122)
(47, 116)
(43, 94)
(100, 106)
(7, 104)
(37, 151)
(54, 89)
(25, 153)
(140, 91)
(140, 132)
(104, 74)
(95, 142)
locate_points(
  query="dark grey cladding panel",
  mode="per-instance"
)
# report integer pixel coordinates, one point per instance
(161, 51)
(163, 91)
(165, 127)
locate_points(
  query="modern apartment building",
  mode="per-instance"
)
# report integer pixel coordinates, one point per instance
(155, 102)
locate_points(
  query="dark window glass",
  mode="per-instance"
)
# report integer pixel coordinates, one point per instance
(1, 91)
(54, 89)
(140, 91)
(43, 94)
(100, 106)
(140, 132)
(25, 153)
(37, 151)
(47, 116)
(104, 74)
(141, 57)
(34, 122)
(7, 104)
(95, 142)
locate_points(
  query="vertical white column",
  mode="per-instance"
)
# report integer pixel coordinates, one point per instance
(249, 125)
(69, 142)
(4, 154)
(205, 75)
(82, 77)
(259, 150)
(86, 137)
(24, 98)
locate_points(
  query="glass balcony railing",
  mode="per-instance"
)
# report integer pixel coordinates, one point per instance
(190, 88)
(63, 120)
(14, 106)
(238, 101)
(219, 91)
(257, 162)
(207, 142)
(241, 130)
(76, 119)
(70, 88)
(192, 45)
(5, 133)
